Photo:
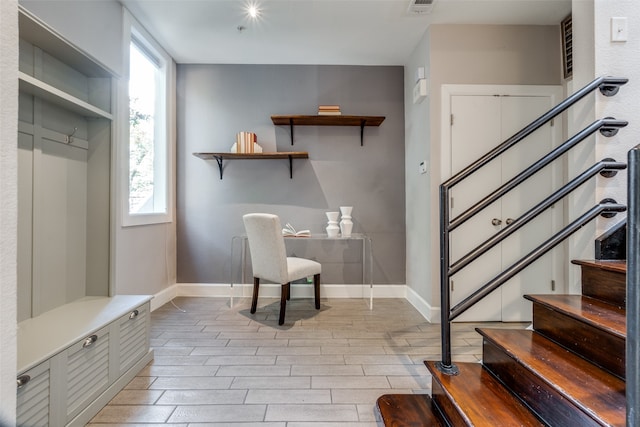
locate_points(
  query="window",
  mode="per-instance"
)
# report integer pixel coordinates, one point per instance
(147, 186)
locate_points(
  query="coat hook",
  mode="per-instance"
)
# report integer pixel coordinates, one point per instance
(68, 139)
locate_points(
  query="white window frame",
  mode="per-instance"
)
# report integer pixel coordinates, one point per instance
(164, 172)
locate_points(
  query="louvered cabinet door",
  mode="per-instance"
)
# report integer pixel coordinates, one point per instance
(133, 337)
(34, 396)
(87, 371)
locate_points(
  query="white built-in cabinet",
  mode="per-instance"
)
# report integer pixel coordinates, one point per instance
(78, 343)
(75, 358)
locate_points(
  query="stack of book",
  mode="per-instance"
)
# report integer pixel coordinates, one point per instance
(329, 110)
(246, 142)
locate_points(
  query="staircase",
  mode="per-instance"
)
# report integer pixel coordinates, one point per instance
(568, 371)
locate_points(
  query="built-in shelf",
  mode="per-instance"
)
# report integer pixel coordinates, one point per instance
(341, 120)
(37, 33)
(33, 86)
(219, 157)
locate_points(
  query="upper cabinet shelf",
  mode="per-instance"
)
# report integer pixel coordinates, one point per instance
(38, 88)
(54, 70)
(341, 120)
(36, 32)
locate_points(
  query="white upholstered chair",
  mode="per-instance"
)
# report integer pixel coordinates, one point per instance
(270, 262)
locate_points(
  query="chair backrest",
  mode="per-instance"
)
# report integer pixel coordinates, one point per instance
(266, 244)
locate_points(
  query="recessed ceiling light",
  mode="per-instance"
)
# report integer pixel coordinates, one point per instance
(253, 11)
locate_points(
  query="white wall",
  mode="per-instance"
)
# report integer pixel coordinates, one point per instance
(620, 59)
(145, 255)
(596, 55)
(458, 54)
(484, 54)
(580, 245)
(418, 213)
(8, 210)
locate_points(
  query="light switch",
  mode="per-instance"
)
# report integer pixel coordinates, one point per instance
(423, 166)
(619, 30)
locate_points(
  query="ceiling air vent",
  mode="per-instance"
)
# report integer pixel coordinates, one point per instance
(567, 47)
(420, 6)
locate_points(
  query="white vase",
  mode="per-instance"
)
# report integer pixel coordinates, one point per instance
(346, 225)
(332, 226)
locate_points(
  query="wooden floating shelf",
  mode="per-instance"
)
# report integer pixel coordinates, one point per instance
(219, 157)
(341, 120)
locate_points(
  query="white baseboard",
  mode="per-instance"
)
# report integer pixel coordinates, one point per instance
(164, 296)
(297, 290)
(204, 289)
(432, 314)
(223, 290)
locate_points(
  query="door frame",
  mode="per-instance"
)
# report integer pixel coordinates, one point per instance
(554, 92)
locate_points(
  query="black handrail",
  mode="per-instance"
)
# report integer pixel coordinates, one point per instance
(608, 127)
(632, 368)
(532, 213)
(607, 85)
(532, 256)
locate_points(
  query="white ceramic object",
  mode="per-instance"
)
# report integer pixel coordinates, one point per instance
(332, 227)
(346, 225)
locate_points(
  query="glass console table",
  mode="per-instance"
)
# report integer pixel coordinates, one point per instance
(240, 244)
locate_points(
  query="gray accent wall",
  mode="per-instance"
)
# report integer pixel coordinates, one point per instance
(214, 102)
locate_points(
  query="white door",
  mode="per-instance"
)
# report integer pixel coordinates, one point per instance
(479, 123)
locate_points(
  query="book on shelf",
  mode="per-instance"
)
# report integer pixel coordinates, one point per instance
(329, 110)
(289, 231)
(246, 143)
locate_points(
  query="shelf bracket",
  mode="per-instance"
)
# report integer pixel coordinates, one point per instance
(290, 167)
(362, 124)
(219, 160)
(291, 129)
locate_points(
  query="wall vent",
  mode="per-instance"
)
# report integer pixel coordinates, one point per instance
(567, 47)
(420, 6)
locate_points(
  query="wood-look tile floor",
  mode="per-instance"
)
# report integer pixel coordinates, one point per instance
(221, 366)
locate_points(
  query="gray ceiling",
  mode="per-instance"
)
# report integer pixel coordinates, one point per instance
(354, 32)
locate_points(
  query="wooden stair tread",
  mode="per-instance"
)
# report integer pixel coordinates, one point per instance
(616, 265)
(408, 410)
(595, 391)
(483, 398)
(592, 311)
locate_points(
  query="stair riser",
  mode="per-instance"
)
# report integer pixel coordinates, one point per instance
(408, 410)
(606, 285)
(547, 403)
(445, 406)
(593, 344)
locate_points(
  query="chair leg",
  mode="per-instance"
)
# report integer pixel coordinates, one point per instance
(283, 302)
(254, 300)
(288, 293)
(316, 288)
